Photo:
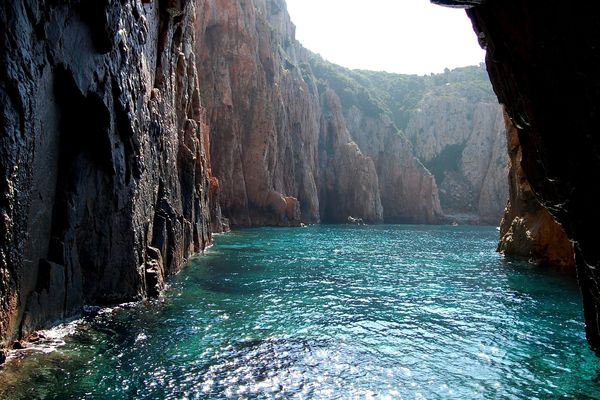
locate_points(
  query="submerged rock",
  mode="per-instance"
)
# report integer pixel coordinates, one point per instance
(355, 221)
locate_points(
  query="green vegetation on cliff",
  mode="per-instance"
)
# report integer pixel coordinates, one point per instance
(450, 122)
(398, 95)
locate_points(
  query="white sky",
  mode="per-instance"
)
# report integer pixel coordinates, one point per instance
(404, 36)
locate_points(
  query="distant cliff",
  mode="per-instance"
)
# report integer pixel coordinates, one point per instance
(459, 133)
(448, 124)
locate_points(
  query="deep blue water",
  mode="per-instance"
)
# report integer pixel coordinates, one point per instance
(333, 312)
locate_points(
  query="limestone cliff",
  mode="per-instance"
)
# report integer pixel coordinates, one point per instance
(409, 193)
(348, 184)
(544, 62)
(103, 175)
(449, 123)
(463, 143)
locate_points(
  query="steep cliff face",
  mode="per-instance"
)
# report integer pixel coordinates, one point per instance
(282, 146)
(348, 184)
(528, 230)
(544, 62)
(450, 123)
(103, 177)
(264, 117)
(409, 192)
(463, 143)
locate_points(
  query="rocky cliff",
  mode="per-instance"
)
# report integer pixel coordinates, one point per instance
(283, 146)
(544, 63)
(104, 182)
(264, 117)
(463, 143)
(448, 124)
(108, 182)
(528, 230)
(292, 142)
(349, 184)
(409, 193)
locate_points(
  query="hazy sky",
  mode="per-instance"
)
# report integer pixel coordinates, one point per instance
(405, 36)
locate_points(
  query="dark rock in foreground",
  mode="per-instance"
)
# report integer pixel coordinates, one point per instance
(528, 230)
(103, 167)
(544, 62)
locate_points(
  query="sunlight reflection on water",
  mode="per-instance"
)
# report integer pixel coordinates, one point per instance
(332, 312)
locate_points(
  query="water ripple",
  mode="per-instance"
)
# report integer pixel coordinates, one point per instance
(332, 312)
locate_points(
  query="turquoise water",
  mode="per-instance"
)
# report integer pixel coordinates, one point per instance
(326, 312)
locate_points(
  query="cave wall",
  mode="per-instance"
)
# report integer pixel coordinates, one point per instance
(528, 230)
(104, 180)
(544, 62)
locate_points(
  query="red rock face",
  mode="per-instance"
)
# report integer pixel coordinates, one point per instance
(264, 117)
(527, 229)
(276, 134)
(104, 177)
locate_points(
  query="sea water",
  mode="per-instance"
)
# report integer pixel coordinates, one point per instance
(332, 312)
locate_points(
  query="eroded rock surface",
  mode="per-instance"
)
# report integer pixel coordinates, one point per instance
(278, 132)
(528, 230)
(103, 179)
(463, 143)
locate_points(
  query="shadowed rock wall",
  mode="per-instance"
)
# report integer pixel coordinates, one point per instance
(528, 230)
(103, 173)
(544, 62)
